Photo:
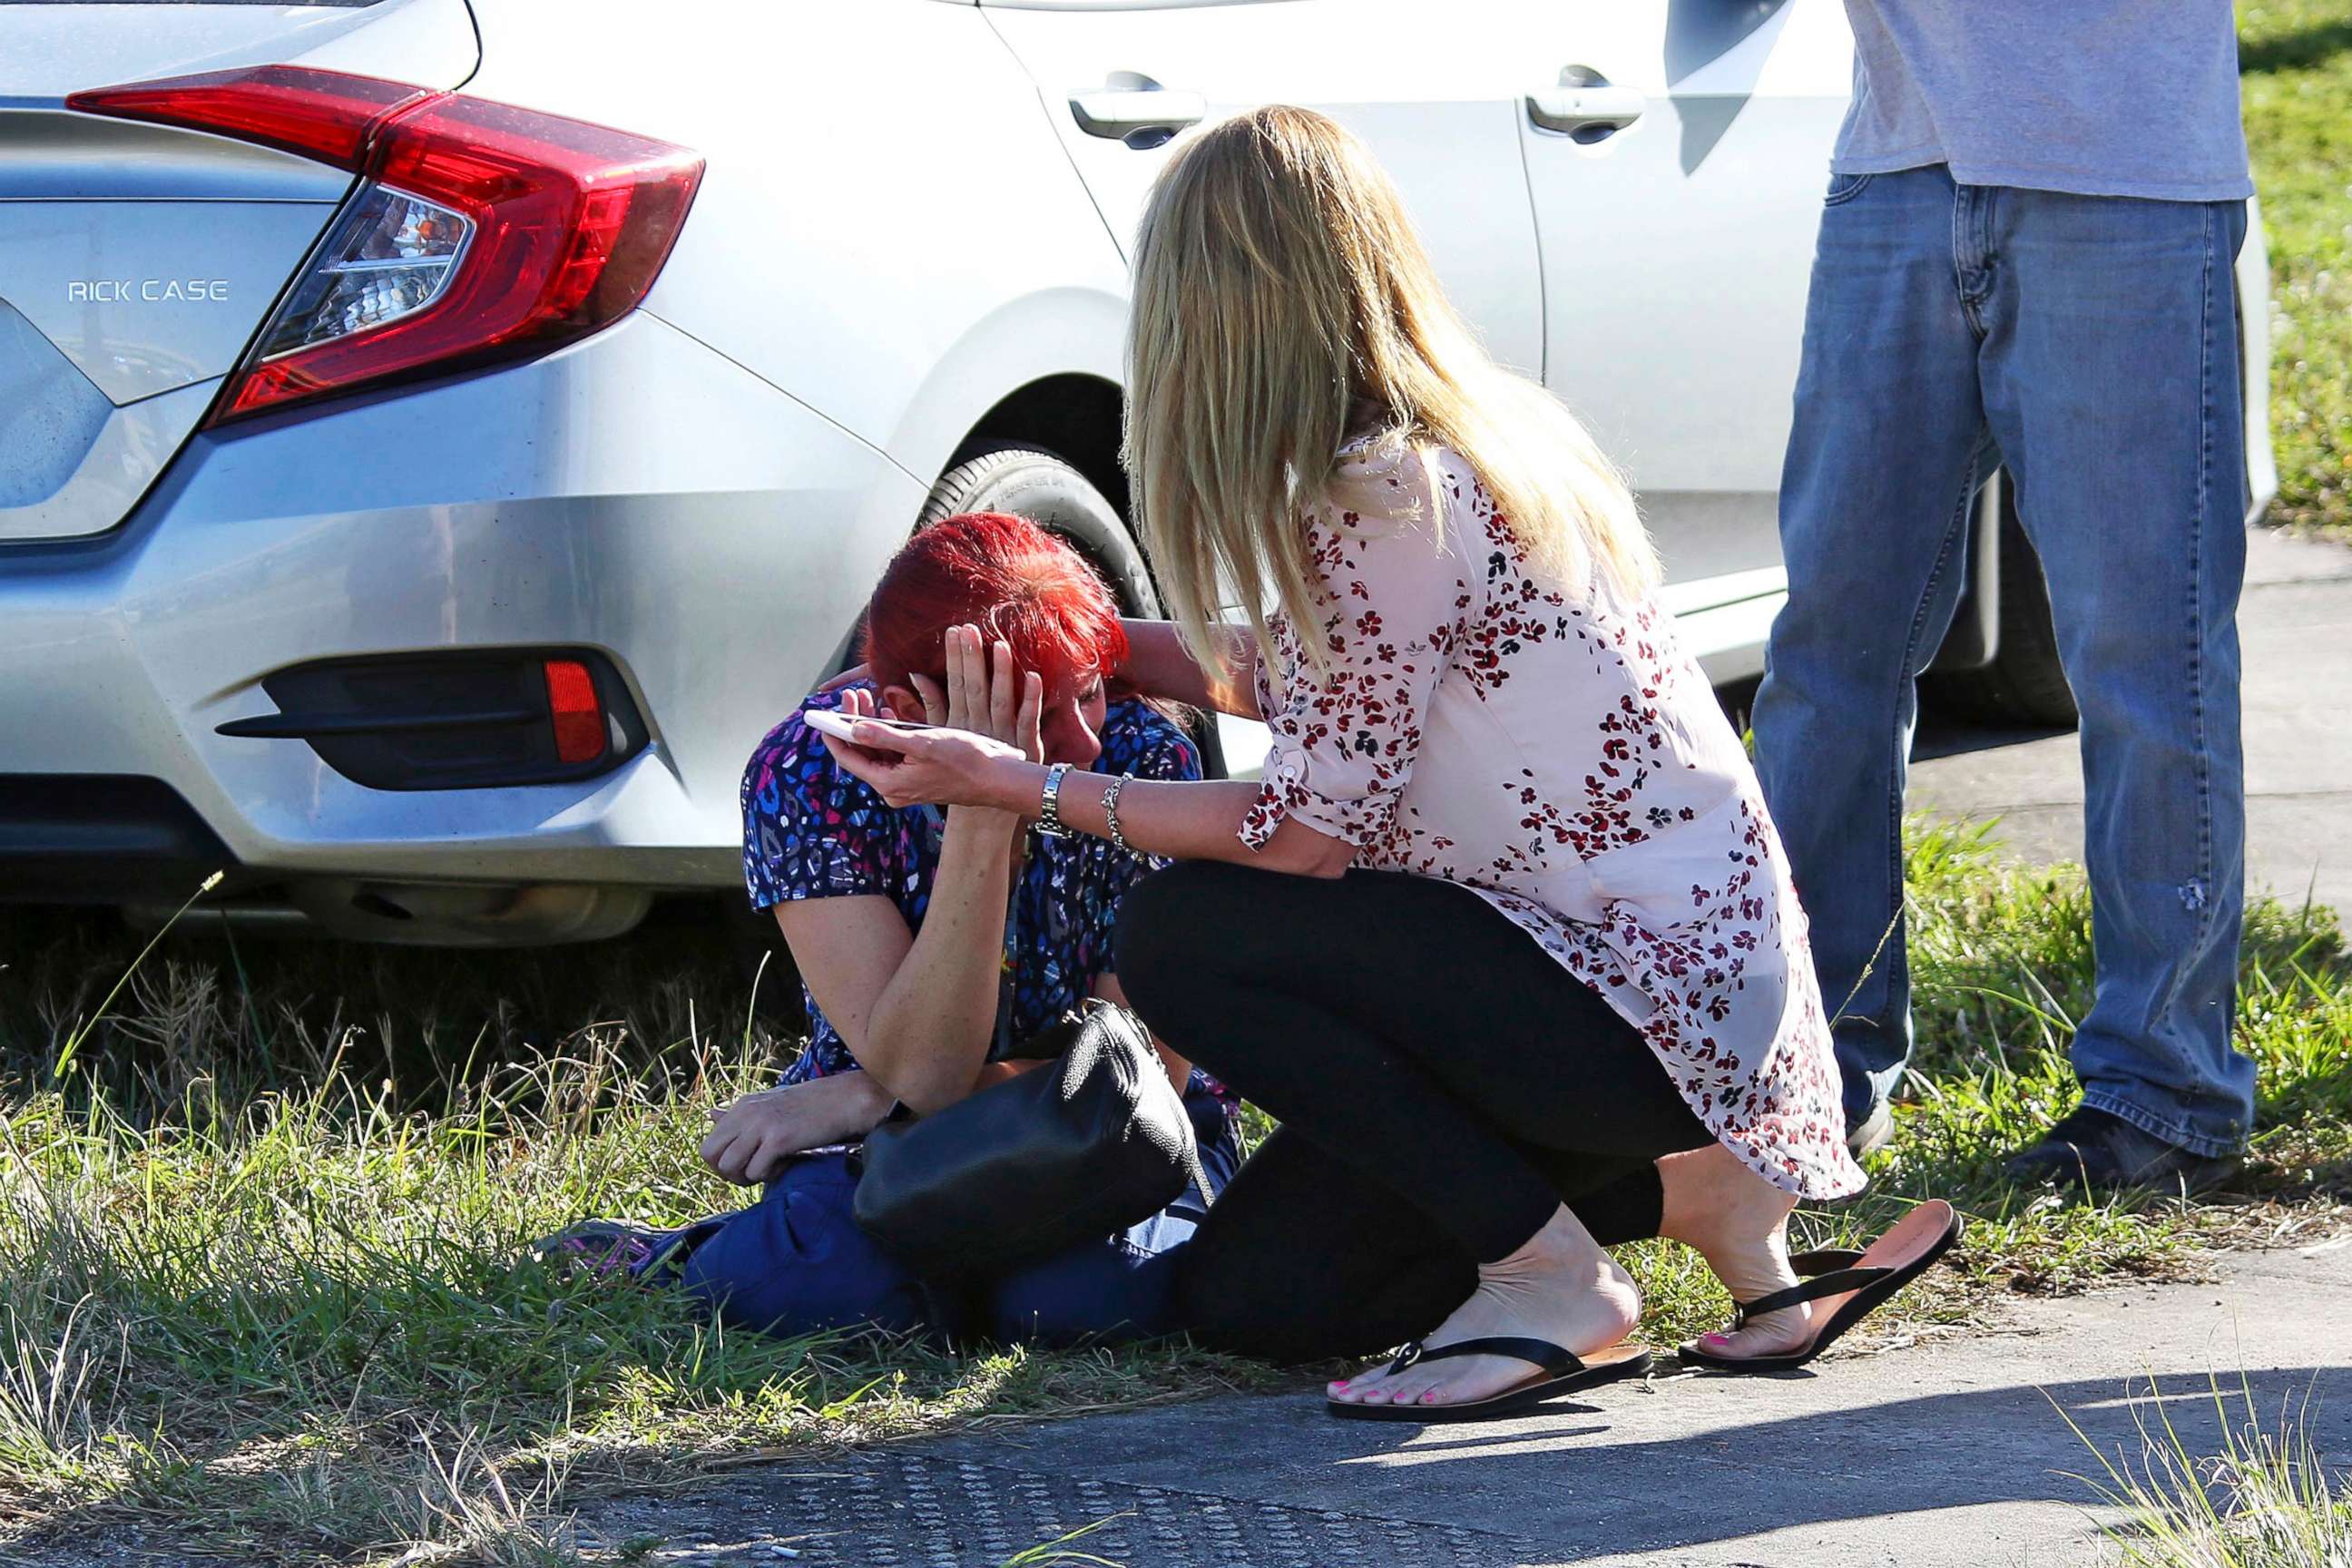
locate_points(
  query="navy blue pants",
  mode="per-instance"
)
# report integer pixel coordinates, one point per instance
(796, 1262)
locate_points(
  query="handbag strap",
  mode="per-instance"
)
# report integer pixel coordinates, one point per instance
(1198, 1173)
(1194, 1171)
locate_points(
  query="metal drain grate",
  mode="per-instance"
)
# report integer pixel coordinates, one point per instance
(912, 1511)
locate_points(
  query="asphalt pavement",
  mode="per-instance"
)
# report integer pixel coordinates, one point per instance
(1955, 1452)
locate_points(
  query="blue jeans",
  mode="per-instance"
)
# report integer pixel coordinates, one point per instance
(796, 1262)
(2088, 344)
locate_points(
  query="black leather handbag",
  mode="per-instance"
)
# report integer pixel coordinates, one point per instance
(1090, 1143)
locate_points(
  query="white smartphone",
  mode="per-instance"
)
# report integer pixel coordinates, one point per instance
(827, 722)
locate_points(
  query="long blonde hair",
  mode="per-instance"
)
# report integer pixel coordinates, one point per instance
(1281, 293)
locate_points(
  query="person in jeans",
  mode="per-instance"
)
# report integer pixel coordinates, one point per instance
(2025, 259)
(1506, 921)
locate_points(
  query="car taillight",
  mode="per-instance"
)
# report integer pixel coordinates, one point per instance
(479, 231)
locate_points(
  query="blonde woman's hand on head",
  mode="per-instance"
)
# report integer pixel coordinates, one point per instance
(855, 675)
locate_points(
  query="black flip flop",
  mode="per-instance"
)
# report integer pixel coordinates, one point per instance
(1906, 1252)
(1559, 1373)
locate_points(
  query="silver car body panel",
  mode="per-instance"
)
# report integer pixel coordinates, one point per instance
(148, 296)
(715, 553)
(55, 154)
(71, 464)
(885, 288)
(49, 51)
(1441, 117)
(1712, 200)
(118, 318)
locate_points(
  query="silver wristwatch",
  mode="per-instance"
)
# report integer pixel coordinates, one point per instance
(1049, 810)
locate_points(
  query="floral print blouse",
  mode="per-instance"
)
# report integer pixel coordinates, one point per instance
(812, 831)
(1558, 753)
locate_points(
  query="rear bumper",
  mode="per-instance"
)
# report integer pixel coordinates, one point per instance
(79, 839)
(636, 494)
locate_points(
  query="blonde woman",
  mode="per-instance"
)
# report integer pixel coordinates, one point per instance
(1506, 922)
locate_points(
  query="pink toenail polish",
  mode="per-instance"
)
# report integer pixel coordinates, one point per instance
(1713, 1340)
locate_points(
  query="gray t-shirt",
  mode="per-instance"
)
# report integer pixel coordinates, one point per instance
(2100, 98)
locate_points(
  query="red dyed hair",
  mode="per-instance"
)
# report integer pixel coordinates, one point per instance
(1010, 578)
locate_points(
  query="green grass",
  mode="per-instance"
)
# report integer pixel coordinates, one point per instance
(261, 1280)
(2266, 1500)
(2002, 968)
(2296, 56)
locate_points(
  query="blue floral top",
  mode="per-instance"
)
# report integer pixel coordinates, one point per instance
(812, 831)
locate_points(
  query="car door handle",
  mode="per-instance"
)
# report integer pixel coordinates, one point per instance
(1121, 113)
(1597, 108)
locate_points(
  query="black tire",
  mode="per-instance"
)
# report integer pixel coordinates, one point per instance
(1031, 483)
(2025, 685)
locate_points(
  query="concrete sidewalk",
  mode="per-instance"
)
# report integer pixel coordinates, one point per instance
(1948, 1455)
(2294, 626)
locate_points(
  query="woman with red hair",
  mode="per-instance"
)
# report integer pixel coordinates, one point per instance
(913, 928)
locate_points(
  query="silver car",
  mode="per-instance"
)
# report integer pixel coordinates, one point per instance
(438, 440)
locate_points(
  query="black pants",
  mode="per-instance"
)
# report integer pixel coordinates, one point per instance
(1443, 1084)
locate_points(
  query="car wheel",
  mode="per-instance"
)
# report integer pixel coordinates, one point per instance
(1029, 482)
(2025, 684)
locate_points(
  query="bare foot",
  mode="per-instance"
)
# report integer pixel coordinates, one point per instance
(1559, 1287)
(1738, 1222)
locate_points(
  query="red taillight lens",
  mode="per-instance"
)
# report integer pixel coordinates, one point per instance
(325, 115)
(579, 716)
(483, 231)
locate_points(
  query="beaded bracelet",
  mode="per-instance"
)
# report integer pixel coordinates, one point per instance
(1110, 809)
